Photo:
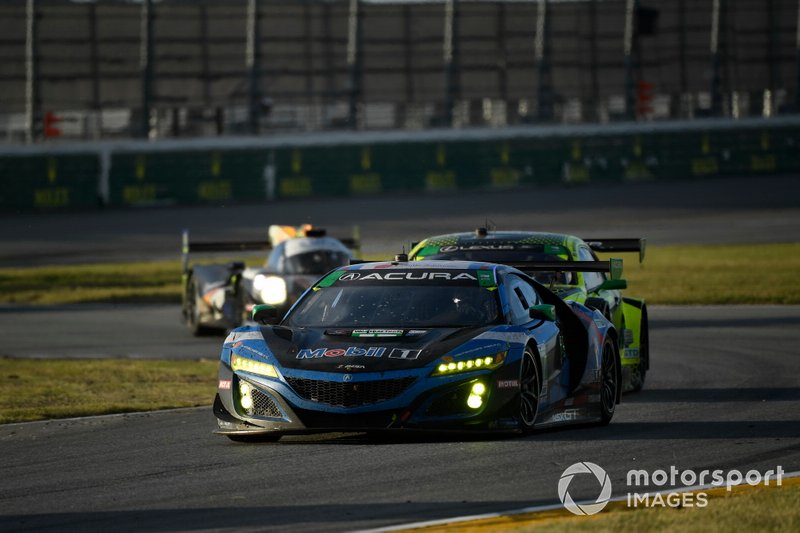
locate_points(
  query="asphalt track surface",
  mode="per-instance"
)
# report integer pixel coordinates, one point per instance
(723, 393)
(722, 210)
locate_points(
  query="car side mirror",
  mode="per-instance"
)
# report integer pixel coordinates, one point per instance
(264, 313)
(542, 312)
(613, 285)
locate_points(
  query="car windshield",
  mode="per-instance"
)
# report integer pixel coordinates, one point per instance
(533, 253)
(399, 306)
(316, 262)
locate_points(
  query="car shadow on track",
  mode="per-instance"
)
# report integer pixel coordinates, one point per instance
(755, 394)
(694, 430)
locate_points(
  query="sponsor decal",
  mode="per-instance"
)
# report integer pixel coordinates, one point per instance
(507, 383)
(416, 332)
(566, 415)
(473, 247)
(377, 333)
(402, 353)
(224, 384)
(486, 278)
(350, 351)
(247, 348)
(235, 336)
(411, 276)
(351, 367)
(630, 353)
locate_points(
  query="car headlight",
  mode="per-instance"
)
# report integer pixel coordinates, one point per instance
(271, 289)
(254, 367)
(448, 366)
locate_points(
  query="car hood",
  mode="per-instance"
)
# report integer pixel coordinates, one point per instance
(366, 350)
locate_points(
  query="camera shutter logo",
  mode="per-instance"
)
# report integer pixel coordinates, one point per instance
(586, 508)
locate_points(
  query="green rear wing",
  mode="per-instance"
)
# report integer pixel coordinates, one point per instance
(613, 266)
(618, 245)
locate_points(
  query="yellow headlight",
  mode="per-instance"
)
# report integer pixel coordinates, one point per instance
(254, 367)
(490, 361)
(474, 401)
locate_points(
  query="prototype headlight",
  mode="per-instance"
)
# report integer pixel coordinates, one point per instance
(254, 367)
(271, 289)
(469, 365)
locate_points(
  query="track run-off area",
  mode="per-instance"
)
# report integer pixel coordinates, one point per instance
(723, 392)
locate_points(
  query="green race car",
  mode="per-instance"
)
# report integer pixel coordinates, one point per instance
(570, 267)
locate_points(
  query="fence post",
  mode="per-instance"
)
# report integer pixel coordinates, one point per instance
(354, 55)
(544, 90)
(33, 95)
(629, 47)
(146, 65)
(253, 63)
(716, 81)
(452, 86)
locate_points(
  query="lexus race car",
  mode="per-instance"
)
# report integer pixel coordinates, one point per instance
(419, 345)
(569, 267)
(219, 297)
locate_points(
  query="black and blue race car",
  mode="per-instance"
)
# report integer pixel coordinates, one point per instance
(436, 345)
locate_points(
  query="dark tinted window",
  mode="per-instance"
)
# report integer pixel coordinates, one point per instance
(396, 305)
(316, 262)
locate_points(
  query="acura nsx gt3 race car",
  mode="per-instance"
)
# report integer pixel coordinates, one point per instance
(219, 297)
(570, 268)
(423, 345)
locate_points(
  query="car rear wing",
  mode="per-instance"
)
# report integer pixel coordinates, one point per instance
(612, 266)
(618, 245)
(188, 246)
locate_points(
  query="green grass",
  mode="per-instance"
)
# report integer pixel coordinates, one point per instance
(763, 509)
(37, 389)
(114, 282)
(717, 274)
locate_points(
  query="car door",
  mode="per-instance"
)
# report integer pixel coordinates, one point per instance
(521, 295)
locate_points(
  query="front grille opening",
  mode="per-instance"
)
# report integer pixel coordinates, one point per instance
(452, 402)
(264, 405)
(349, 394)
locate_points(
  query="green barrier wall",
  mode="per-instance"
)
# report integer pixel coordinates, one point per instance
(217, 171)
(40, 182)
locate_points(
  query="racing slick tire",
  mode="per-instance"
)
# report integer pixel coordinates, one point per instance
(530, 386)
(640, 372)
(192, 313)
(610, 381)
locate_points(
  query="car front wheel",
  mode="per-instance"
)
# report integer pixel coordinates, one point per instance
(530, 385)
(609, 385)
